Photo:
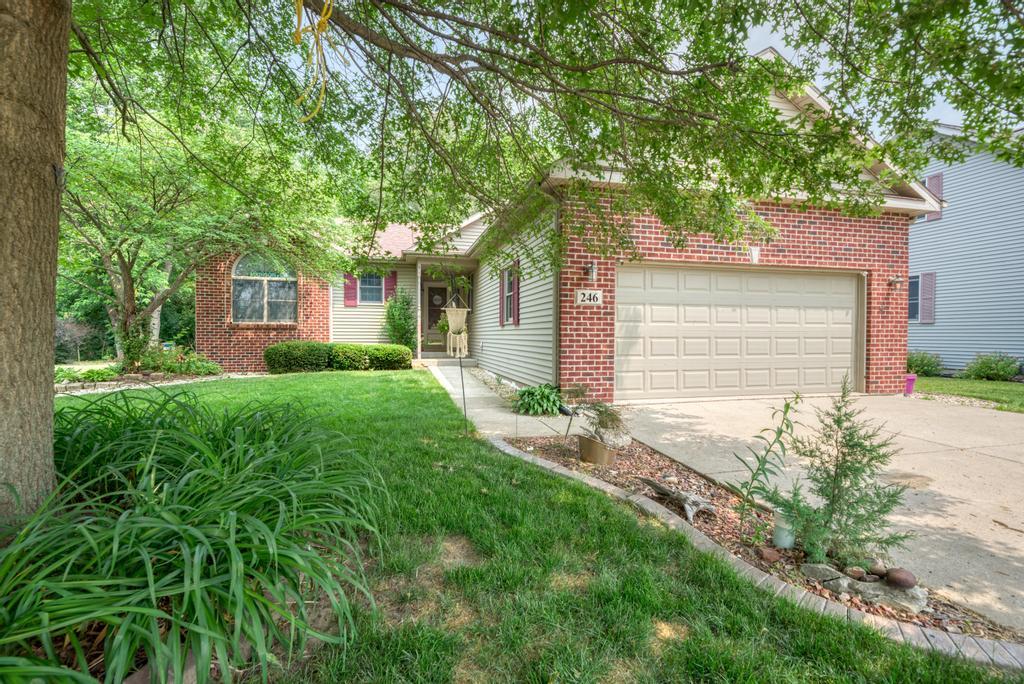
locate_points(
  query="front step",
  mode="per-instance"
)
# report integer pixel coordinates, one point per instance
(444, 361)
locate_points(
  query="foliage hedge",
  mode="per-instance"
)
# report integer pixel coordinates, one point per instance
(924, 364)
(310, 357)
(998, 366)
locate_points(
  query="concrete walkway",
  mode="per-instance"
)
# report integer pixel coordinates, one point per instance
(964, 467)
(493, 415)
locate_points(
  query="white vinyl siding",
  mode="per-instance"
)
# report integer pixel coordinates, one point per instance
(684, 332)
(975, 253)
(525, 353)
(365, 322)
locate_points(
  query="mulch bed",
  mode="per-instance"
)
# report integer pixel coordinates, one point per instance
(639, 460)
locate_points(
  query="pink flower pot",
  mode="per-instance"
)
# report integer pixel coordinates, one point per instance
(909, 388)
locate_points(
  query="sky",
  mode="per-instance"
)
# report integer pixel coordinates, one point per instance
(763, 37)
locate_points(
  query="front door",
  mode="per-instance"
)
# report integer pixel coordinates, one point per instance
(437, 297)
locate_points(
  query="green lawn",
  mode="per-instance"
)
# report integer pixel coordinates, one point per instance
(1009, 395)
(494, 570)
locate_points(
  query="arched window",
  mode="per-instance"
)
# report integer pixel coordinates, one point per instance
(263, 292)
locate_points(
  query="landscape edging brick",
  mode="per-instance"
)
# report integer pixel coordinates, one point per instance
(990, 652)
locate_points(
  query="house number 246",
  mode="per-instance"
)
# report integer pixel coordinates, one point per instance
(589, 297)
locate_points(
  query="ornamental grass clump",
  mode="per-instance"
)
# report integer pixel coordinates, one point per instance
(176, 529)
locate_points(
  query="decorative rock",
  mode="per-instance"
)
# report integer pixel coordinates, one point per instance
(900, 578)
(877, 567)
(820, 572)
(672, 479)
(855, 572)
(616, 440)
(914, 600)
(870, 577)
(768, 554)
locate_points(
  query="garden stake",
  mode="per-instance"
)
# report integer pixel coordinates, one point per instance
(465, 414)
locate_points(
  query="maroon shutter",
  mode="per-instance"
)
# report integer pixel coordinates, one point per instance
(515, 295)
(934, 183)
(390, 285)
(351, 290)
(501, 297)
(926, 298)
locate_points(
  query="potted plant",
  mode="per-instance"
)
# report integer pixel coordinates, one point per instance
(606, 433)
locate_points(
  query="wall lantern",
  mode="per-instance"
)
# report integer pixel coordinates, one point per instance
(895, 282)
(755, 253)
(590, 271)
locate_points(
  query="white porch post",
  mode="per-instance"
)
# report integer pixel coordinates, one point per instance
(419, 314)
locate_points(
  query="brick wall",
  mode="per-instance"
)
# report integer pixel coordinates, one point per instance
(238, 347)
(812, 239)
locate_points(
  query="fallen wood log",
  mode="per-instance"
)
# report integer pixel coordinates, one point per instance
(692, 503)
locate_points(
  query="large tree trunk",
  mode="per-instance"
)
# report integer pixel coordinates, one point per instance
(33, 77)
(154, 318)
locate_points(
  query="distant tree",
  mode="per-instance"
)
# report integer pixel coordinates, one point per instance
(71, 335)
(142, 210)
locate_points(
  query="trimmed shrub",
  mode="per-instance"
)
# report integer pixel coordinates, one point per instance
(179, 529)
(400, 319)
(347, 357)
(297, 356)
(542, 400)
(389, 356)
(924, 363)
(997, 366)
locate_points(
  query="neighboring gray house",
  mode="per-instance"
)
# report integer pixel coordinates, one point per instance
(966, 285)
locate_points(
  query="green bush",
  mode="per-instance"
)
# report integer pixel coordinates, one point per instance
(845, 458)
(297, 356)
(182, 530)
(66, 375)
(400, 319)
(301, 357)
(997, 366)
(389, 356)
(541, 400)
(924, 364)
(100, 374)
(177, 361)
(346, 356)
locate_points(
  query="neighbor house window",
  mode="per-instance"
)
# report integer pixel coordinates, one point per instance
(913, 298)
(508, 303)
(371, 289)
(263, 292)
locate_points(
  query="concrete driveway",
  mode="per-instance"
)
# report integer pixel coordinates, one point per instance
(964, 467)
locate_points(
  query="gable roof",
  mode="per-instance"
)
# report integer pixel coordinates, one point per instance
(907, 196)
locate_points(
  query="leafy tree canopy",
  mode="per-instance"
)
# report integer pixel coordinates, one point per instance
(455, 105)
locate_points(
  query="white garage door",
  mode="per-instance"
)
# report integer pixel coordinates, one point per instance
(696, 332)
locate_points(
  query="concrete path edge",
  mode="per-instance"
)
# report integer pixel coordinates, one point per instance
(990, 652)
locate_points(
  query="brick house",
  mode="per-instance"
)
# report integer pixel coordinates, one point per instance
(825, 300)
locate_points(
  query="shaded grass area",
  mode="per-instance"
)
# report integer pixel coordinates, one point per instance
(562, 584)
(1009, 395)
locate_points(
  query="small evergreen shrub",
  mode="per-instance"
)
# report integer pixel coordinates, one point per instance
(845, 457)
(997, 366)
(542, 400)
(924, 364)
(297, 356)
(400, 319)
(348, 357)
(389, 356)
